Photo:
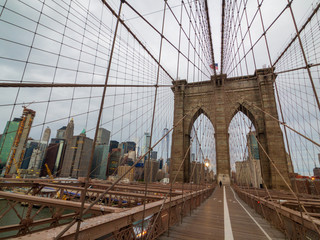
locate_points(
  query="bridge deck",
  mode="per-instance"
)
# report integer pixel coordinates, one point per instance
(211, 221)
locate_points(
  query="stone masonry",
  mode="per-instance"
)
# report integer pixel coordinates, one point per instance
(220, 99)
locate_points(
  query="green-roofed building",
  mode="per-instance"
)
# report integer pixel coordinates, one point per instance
(7, 140)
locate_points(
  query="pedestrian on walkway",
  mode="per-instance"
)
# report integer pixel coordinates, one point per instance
(220, 183)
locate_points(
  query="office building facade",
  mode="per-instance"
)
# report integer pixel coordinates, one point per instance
(77, 157)
(113, 144)
(100, 160)
(7, 140)
(46, 135)
(103, 136)
(113, 161)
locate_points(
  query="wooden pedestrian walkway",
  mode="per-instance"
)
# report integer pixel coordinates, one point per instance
(223, 216)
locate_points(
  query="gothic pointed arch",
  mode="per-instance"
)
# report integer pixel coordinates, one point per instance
(195, 115)
(220, 101)
(247, 110)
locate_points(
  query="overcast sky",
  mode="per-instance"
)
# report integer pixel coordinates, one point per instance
(86, 38)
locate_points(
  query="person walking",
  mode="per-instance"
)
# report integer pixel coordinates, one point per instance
(220, 183)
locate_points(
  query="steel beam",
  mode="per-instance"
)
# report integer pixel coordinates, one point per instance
(57, 202)
(95, 190)
(102, 225)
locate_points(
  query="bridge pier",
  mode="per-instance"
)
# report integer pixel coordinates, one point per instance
(220, 99)
(272, 145)
(221, 131)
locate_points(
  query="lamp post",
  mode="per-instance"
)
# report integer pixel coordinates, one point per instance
(206, 164)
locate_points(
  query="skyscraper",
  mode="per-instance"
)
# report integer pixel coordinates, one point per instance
(154, 155)
(46, 135)
(37, 155)
(165, 145)
(49, 159)
(113, 161)
(77, 156)
(160, 163)
(103, 136)
(253, 162)
(99, 164)
(66, 132)
(69, 130)
(100, 157)
(61, 133)
(124, 148)
(165, 151)
(7, 139)
(34, 154)
(253, 145)
(150, 170)
(146, 143)
(53, 157)
(113, 144)
(20, 141)
(131, 146)
(61, 145)
(31, 145)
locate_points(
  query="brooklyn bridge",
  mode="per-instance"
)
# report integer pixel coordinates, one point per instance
(180, 119)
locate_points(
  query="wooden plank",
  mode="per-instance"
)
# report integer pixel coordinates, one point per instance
(244, 227)
(207, 222)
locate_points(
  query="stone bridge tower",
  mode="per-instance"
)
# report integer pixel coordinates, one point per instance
(220, 99)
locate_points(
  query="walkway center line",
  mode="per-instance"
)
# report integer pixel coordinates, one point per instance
(227, 223)
(265, 233)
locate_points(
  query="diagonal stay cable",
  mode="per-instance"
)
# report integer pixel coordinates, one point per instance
(119, 179)
(284, 124)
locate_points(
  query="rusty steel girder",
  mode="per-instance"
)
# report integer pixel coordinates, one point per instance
(62, 200)
(55, 202)
(116, 223)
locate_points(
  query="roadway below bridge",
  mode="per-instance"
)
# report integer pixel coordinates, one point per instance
(223, 216)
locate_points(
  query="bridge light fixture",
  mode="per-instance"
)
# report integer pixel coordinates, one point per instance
(207, 162)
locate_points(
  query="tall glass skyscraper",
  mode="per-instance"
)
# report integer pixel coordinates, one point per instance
(7, 139)
(146, 144)
(253, 145)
